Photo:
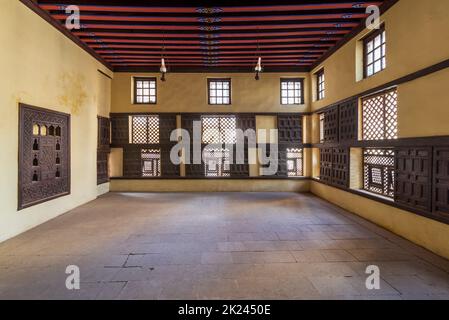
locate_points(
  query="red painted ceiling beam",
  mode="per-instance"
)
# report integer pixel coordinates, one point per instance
(331, 25)
(310, 47)
(198, 61)
(241, 35)
(198, 57)
(221, 42)
(195, 52)
(278, 8)
(301, 17)
(212, 64)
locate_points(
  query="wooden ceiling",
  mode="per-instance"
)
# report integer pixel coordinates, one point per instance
(228, 36)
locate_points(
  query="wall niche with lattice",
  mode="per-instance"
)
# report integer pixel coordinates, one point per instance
(44, 155)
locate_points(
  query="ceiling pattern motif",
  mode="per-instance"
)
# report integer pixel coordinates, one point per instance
(132, 36)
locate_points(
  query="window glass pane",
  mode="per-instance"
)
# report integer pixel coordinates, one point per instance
(377, 41)
(370, 70)
(284, 101)
(219, 85)
(213, 85)
(152, 84)
(213, 100)
(369, 46)
(146, 84)
(377, 66)
(139, 84)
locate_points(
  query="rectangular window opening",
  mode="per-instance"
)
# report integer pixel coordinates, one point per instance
(292, 91)
(378, 171)
(145, 91)
(219, 91)
(295, 162)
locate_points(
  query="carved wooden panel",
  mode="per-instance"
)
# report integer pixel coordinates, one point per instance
(167, 123)
(132, 161)
(289, 128)
(340, 167)
(413, 177)
(44, 155)
(120, 129)
(331, 125)
(168, 168)
(103, 150)
(441, 182)
(348, 121)
(241, 169)
(246, 121)
(326, 165)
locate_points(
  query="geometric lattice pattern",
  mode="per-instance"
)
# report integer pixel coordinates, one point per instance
(151, 162)
(291, 91)
(295, 162)
(378, 167)
(375, 53)
(219, 91)
(218, 129)
(145, 129)
(145, 90)
(380, 116)
(217, 162)
(321, 127)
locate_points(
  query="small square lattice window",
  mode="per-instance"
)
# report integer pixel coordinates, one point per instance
(145, 129)
(375, 52)
(380, 116)
(218, 129)
(292, 91)
(295, 162)
(219, 91)
(217, 162)
(151, 162)
(145, 90)
(378, 166)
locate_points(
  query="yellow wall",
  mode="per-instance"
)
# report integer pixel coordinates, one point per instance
(427, 233)
(202, 185)
(187, 92)
(40, 66)
(415, 30)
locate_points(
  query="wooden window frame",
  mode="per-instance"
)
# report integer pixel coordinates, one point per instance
(209, 80)
(135, 79)
(320, 80)
(370, 37)
(286, 80)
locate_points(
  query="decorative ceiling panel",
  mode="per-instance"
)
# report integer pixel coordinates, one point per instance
(134, 35)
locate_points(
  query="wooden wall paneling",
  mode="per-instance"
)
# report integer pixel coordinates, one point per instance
(120, 129)
(413, 177)
(331, 125)
(326, 165)
(348, 120)
(289, 128)
(103, 150)
(441, 182)
(340, 167)
(132, 161)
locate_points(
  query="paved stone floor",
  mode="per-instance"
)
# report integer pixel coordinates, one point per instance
(216, 246)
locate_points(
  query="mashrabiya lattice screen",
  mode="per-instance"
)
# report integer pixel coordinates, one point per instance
(145, 129)
(380, 116)
(295, 162)
(378, 166)
(151, 162)
(218, 129)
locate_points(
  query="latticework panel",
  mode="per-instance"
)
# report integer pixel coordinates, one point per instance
(294, 162)
(326, 165)
(380, 116)
(120, 129)
(331, 125)
(413, 177)
(246, 121)
(340, 167)
(145, 129)
(151, 162)
(289, 128)
(379, 174)
(216, 162)
(218, 129)
(441, 182)
(44, 161)
(348, 121)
